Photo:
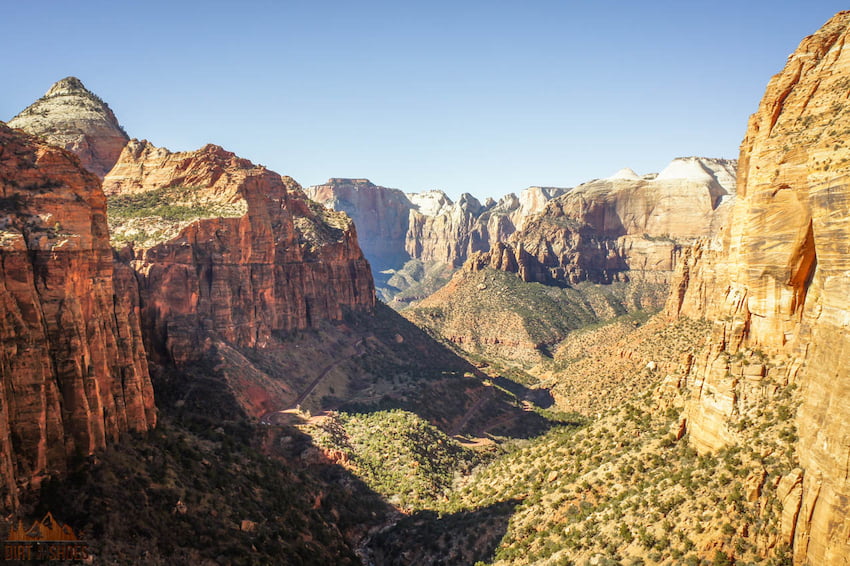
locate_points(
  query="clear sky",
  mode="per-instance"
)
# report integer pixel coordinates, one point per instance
(486, 97)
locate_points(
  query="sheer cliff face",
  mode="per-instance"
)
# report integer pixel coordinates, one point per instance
(613, 229)
(380, 214)
(70, 116)
(781, 284)
(230, 250)
(395, 227)
(73, 364)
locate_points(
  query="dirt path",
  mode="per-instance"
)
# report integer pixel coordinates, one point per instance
(267, 419)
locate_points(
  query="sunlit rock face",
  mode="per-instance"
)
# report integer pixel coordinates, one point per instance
(72, 117)
(778, 279)
(233, 250)
(394, 226)
(72, 360)
(622, 227)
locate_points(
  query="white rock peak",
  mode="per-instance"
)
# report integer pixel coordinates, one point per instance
(625, 173)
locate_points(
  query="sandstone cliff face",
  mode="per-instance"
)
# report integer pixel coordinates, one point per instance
(71, 117)
(74, 370)
(236, 252)
(613, 229)
(778, 279)
(380, 215)
(428, 227)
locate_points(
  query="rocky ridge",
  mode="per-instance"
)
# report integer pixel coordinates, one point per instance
(619, 228)
(776, 280)
(405, 234)
(239, 253)
(72, 117)
(74, 366)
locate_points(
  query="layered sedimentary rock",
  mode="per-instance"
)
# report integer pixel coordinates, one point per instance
(72, 117)
(73, 364)
(778, 280)
(229, 250)
(611, 229)
(427, 228)
(380, 214)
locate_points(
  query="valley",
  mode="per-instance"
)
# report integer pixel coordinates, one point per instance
(205, 363)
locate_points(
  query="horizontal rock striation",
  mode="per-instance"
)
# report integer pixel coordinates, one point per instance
(72, 359)
(427, 228)
(72, 117)
(778, 281)
(614, 229)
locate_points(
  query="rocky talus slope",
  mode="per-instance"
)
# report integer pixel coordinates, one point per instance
(72, 117)
(75, 373)
(778, 281)
(620, 228)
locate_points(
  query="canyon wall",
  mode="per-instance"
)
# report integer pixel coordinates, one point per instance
(72, 117)
(777, 280)
(229, 249)
(408, 236)
(74, 369)
(380, 214)
(619, 228)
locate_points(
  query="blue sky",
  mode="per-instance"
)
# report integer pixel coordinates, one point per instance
(480, 97)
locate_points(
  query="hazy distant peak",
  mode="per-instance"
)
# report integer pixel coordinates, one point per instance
(702, 169)
(430, 203)
(625, 173)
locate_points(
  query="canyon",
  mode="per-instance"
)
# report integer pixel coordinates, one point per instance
(645, 368)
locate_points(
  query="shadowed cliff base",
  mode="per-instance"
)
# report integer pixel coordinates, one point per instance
(369, 362)
(429, 538)
(187, 493)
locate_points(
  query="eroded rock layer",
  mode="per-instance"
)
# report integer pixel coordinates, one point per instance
(72, 117)
(406, 236)
(73, 364)
(778, 280)
(610, 229)
(230, 250)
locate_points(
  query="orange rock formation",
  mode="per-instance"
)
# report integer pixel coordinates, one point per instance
(778, 279)
(74, 369)
(267, 259)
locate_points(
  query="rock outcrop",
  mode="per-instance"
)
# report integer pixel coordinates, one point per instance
(778, 281)
(72, 359)
(405, 234)
(229, 251)
(72, 117)
(380, 214)
(614, 229)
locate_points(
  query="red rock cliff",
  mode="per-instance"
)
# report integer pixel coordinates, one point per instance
(74, 370)
(779, 280)
(231, 250)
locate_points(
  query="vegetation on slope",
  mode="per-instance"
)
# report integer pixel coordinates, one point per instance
(496, 315)
(187, 493)
(397, 454)
(625, 489)
(157, 215)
